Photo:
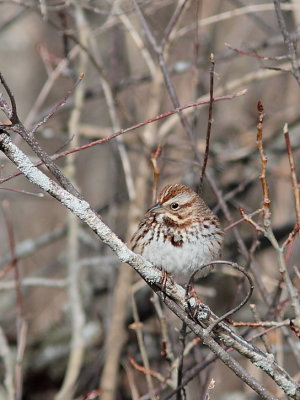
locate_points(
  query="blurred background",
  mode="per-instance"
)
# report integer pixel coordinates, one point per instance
(73, 319)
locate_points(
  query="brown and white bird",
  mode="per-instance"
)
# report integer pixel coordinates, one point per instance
(179, 233)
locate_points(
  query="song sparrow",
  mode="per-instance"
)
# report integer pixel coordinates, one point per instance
(179, 233)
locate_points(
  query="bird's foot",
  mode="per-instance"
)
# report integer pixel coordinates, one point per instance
(196, 309)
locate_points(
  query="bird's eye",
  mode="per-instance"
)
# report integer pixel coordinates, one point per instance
(174, 206)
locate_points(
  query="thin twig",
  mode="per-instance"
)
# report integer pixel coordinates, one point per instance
(242, 303)
(287, 40)
(150, 372)
(47, 86)
(142, 347)
(173, 21)
(263, 335)
(131, 381)
(235, 13)
(289, 241)
(20, 191)
(181, 395)
(130, 129)
(210, 119)
(249, 219)
(264, 160)
(166, 347)
(7, 359)
(261, 324)
(246, 53)
(154, 156)
(13, 115)
(249, 216)
(168, 82)
(21, 325)
(56, 108)
(296, 188)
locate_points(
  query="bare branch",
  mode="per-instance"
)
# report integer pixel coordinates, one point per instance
(287, 40)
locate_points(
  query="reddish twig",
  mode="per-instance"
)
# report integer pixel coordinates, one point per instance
(264, 160)
(248, 218)
(210, 119)
(131, 128)
(145, 371)
(291, 236)
(94, 394)
(5, 270)
(23, 192)
(242, 219)
(246, 53)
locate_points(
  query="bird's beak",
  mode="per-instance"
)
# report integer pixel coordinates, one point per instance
(157, 208)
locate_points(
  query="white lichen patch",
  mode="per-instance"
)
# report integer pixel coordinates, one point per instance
(79, 207)
(151, 274)
(267, 365)
(25, 165)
